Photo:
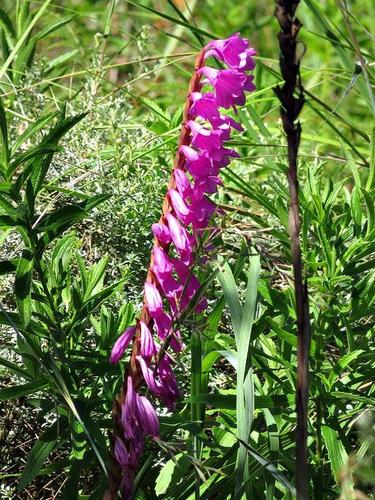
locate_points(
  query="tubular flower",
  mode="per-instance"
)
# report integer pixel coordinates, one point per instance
(171, 285)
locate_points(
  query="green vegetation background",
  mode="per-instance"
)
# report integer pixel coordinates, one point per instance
(127, 65)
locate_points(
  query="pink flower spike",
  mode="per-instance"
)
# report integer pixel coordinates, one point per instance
(126, 485)
(221, 156)
(148, 347)
(225, 124)
(190, 153)
(163, 325)
(203, 138)
(121, 453)
(162, 263)
(147, 416)
(200, 167)
(179, 206)
(229, 85)
(182, 183)
(176, 345)
(169, 390)
(202, 211)
(206, 185)
(180, 236)
(204, 105)
(121, 345)
(233, 51)
(153, 299)
(161, 232)
(148, 375)
(128, 410)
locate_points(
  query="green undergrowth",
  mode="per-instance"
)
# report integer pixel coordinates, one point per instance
(92, 94)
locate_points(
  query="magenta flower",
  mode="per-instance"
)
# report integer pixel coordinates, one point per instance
(204, 105)
(161, 232)
(153, 299)
(163, 324)
(208, 184)
(202, 210)
(169, 390)
(180, 237)
(148, 346)
(147, 417)
(162, 263)
(183, 184)
(121, 453)
(179, 206)
(233, 51)
(197, 164)
(204, 138)
(179, 249)
(128, 411)
(229, 85)
(148, 375)
(225, 124)
(121, 344)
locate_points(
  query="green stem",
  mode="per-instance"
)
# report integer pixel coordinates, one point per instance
(196, 407)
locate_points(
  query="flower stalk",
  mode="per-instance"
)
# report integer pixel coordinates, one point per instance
(171, 285)
(292, 100)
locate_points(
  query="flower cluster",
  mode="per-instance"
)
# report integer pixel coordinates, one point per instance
(171, 285)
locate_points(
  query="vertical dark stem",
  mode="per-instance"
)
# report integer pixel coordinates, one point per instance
(291, 99)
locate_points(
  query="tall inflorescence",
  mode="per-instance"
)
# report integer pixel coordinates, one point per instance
(171, 285)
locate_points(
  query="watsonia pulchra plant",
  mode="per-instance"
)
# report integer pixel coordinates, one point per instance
(183, 240)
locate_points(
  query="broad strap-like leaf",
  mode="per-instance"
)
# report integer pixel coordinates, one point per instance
(22, 285)
(37, 456)
(22, 390)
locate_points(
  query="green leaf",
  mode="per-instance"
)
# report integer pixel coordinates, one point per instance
(242, 319)
(96, 278)
(15, 368)
(93, 302)
(355, 204)
(228, 401)
(7, 25)
(32, 130)
(22, 390)
(171, 473)
(37, 456)
(165, 477)
(62, 217)
(52, 225)
(370, 183)
(338, 458)
(271, 468)
(228, 285)
(7, 222)
(22, 286)
(23, 37)
(174, 20)
(60, 60)
(28, 156)
(8, 266)
(51, 28)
